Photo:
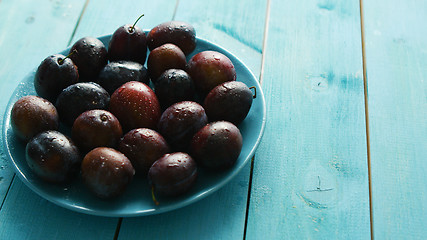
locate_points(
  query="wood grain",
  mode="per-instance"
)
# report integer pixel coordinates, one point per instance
(396, 59)
(239, 28)
(310, 178)
(25, 215)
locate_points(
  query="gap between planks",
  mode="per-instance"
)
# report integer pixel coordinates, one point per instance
(264, 44)
(7, 191)
(175, 10)
(119, 224)
(365, 90)
(78, 22)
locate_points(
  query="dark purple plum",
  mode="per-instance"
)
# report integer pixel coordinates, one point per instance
(208, 69)
(55, 73)
(136, 106)
(128, 42)
(174, 85)
(79, 98)
(143, 146)
(106, 172)
(53, 157)
(165, 57)
(173, 174)
(217, 145)
(90, 57)
(179, 33)
(115, 74)
(96, 128)
(31, 115)
(180, 122)
(230, 101)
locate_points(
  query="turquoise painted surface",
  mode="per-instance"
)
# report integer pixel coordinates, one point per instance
(25, 215)
(396, 57)
(310, 177)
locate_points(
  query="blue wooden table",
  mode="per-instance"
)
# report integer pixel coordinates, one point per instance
(344, 153)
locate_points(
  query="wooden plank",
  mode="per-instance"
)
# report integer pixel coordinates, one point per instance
(310, 177)
(237, 26)
(396, 59)
(21, 49)
(25, 215)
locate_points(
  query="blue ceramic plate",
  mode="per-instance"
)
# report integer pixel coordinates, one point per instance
(136, 201)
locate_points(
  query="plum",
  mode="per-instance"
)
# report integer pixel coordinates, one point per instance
(106, 172)
(136, 106)
(31, 115)
(217, 145)
(173, 174)
(53, 157)
(230, 101)
(164, 57)
(90, 57)
(208, 69)
(55, 73)
(179, 33)
(115, 74)
(180, 122)
(80, 97)
(174, 85)
(96, 128)
(128, 42)
(143, 146)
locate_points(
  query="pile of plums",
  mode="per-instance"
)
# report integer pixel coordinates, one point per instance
(162, 120)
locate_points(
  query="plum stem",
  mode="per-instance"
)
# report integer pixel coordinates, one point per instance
(254, 88)
(133, 26)
(154, 197)
(61, 61)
